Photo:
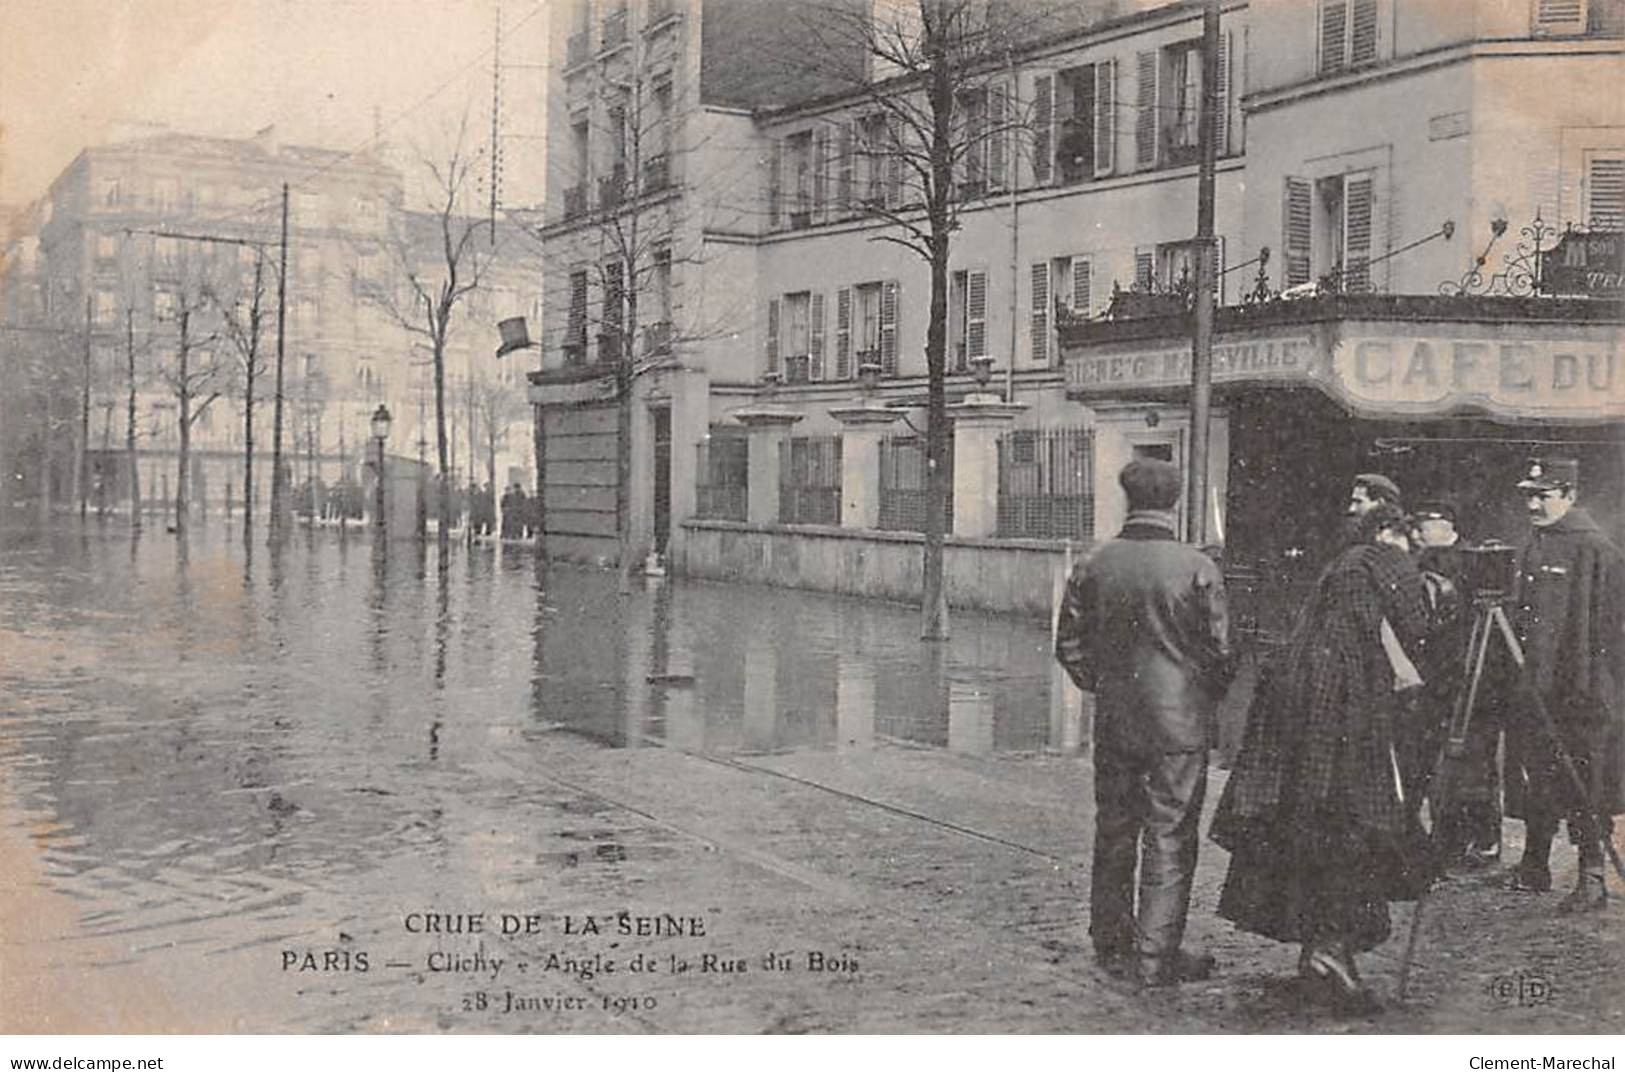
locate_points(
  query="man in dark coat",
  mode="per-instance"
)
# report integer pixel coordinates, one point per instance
(1313, 813)
(1570, 618)
(1143, 626)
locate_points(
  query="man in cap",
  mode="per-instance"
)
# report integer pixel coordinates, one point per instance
(1470, 830)
(1143, 626)
(1368, 492)
(1570, 617)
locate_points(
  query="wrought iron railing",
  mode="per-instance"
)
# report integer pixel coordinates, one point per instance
(722, 465)
(609, 347)
(612, 188)
(797, 368)
(905, 485)
(656, 173)
(1046, 484)
(810, 481)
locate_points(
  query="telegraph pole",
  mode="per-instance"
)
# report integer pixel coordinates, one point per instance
(82, 446)
(1206, 280)
(281, 337)
(129, 425)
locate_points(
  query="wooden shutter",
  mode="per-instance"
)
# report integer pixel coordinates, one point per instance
(1605, 192)
(1043, 121)
(1105, 116)
(843, 193)
(1333, 35)
(1145, 110)
(1082, 286)
(976, 313)
(998, 135)
(815, 336)
(775, 194)
(1363, 32)
(820, 164)
(1040, 313)
(1296, 209)
(1560, 16)
(888, 328)
(1145, 268)
(843, 333)
(1221, 108)
(894, 165)
(1357, 201)
(772, 354)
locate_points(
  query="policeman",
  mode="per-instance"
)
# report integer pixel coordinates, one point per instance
(1570, 616)
(1470, 833)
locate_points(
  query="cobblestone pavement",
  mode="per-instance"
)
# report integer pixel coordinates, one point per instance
(226, 787)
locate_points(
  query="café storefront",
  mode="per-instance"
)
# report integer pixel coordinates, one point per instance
(1449, 396)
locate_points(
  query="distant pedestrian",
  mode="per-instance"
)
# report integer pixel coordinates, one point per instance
(1320, 836)
(1570, 617)
(1144, 627)
(510, 518)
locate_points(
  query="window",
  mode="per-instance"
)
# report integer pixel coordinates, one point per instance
(111, 192)
(1553, 17)
(795, 338)
(1183, 131)
(609, 320)
(967, 318)
(877, 159)
(106, 249)
(801, 167)
(166, 253)
(973, 162)
(1328, 228)
(163, 304)
(1605, 190)
(106, 307)
(1087, 127)
(1348, 34)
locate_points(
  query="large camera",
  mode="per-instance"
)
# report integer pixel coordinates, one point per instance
(1492, 569)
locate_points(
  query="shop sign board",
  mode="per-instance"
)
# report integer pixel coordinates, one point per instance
(1280, 358)
(572, 392)
(1585, 264)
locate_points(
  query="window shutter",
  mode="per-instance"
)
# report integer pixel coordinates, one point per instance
(844, 190)
(772, 335)
(1363, 32)
(976, 314)
(1605, 192)
(1333, 31)
(1357, 199)
(774, 179)
(1105, 116)
(1145, 117)
(1082, 286)
(820, 151)
(1560, 16)
(998, 135)
(1145, 265)
(1221, 107)
(888, 328)
(1043, 107)
(1295, 232)
(1040, 313)
(894, 165)
(843, 333)
(815, 348)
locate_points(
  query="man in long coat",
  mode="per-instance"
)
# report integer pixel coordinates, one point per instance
(1143, 626)
(1313, 813)
(1570, 618)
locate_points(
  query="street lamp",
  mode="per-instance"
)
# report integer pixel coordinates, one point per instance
(381, 421)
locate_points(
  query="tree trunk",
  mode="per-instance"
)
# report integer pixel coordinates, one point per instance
(182, 464)
(47, 461)
(81, 442)
(129, 423)
(441, 444)
(250, 371)
(933, 596)
(623, 433)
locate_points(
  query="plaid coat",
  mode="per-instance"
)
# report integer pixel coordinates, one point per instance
(1320, 730)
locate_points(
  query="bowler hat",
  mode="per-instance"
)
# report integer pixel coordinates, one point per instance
(1381, 485)
(1548, 474)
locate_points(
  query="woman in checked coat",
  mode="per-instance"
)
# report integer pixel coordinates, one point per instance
(1312, 813)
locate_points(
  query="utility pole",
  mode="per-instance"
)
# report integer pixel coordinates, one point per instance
(277, 505)
(129, 423)
(82, 443)
(1206, 279)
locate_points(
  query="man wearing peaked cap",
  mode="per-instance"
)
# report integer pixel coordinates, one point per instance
(1570, 617)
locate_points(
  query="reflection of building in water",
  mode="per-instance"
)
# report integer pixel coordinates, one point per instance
(970, 719)
(854, 703)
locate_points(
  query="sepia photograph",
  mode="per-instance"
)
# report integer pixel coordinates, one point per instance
(837, 517)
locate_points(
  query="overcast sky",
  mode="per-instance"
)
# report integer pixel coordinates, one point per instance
(73, 71)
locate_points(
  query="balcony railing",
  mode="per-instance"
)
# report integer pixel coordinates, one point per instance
(657, 338)
(575, 201)
(577, 48)
(615, 28)
(612, 189)
(575, 353)
(656, 173)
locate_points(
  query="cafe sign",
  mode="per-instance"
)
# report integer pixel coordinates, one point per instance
(1287, 358)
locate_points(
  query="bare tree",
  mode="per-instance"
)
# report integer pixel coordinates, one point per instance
(441, 257)
(242, 317)
(195, 384)
(934, 75)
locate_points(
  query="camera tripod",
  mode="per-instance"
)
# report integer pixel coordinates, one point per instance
(1490, 620)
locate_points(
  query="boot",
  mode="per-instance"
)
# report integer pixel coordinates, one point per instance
(1590, 894)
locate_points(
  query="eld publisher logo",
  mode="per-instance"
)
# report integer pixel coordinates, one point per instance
(1523, 988)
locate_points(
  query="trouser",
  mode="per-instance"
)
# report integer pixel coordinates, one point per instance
(1551, 792)
(1147, 812)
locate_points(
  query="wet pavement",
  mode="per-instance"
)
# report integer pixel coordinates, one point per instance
(326, 789)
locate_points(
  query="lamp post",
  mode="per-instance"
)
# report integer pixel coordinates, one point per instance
(381, 420)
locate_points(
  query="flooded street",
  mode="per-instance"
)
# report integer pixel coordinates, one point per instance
(327, 789)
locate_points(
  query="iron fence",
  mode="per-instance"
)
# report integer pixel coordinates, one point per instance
(720, 478)
(1046, 484)
(904, 484)
(810, 481)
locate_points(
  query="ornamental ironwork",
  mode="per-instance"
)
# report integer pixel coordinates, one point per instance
(1520, 272)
